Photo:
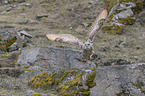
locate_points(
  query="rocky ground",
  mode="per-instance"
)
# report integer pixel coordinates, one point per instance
(117, 68)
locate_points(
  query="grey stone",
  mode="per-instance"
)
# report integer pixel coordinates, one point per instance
(24, 21)
(35, 70)
(38, 16)
(26, 4)
(19, 42)
(28, 92)
(141, 18)
(52, 58)
(28, 57)
(7, 33)
(25, 34)
(33, 22)
(110, 80)
(9, 9)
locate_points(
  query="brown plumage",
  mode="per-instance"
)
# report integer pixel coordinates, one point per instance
(97, 25)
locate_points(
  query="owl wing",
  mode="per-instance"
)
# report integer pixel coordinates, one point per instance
(64, 38)
(97, 25)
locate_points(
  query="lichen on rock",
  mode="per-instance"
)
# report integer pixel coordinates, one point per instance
(67, 86)
(66, 82)
(90, 79)
(121, 13)
(42, 80)
(7, 43)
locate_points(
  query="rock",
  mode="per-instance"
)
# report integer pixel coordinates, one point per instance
(1, 52)
(28, 57)
(13, 72)
(7, 59)
(32, 92)
(52, 58)
(7, 37)
(103, 81)
(33, 22)
(141, 18)
(25, 34)
(39, 16)
(24, 21)
(7, 33)
(121, 13)
(28, 92)
(8, 85)
(32, 72)
(110, 81)
(9, 9)
(80, 29)
(19, 42)
(26, 4)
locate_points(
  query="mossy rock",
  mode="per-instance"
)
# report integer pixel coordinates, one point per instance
(42, 80)
(63, 84)
(76, 81)
(7, 43)
(120, 15)
(113, 29)
(35, 94)
(90, 80)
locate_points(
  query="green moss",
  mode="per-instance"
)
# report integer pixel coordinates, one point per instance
(17, 58)
(35, 94)
(138, 86)
(63, 75)
(84, 92)
(7, 43)
(139, 6)
(63, 12)
(44, 19)
(6, 55)
(29, 70)
(26, 67)
(59, 46)
(127, 21)
(92, 69)
(113, 29)
(63, 90)
(42, 80)
(90, 80)
(69, 87)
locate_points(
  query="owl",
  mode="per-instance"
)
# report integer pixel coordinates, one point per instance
(87, 47)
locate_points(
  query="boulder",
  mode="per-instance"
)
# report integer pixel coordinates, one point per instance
(117, 80)
(52, 58)
(13, 72)
(125, 80)
(121, 14)
(39, 16)
(141, 18)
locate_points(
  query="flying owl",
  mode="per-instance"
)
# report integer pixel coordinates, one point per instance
(87, 47)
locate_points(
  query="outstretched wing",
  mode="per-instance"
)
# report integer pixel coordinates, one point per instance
(64, 38)
(97, 25)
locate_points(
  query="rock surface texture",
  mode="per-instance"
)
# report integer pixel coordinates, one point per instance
(120, 81)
